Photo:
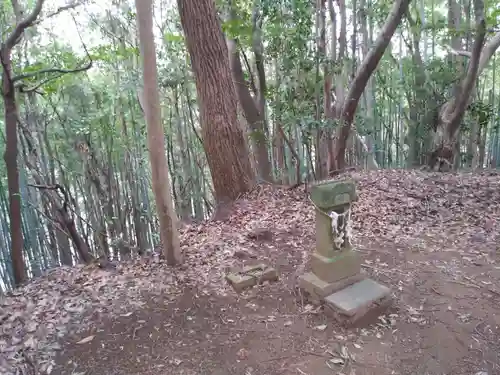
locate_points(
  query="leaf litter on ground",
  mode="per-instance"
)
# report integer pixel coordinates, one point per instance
(425, 212)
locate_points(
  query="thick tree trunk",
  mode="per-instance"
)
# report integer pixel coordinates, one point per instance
(10, 157)
(363, 74)
(156, 139)
(223, 139)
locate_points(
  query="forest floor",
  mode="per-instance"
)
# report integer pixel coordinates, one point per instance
(433, 239)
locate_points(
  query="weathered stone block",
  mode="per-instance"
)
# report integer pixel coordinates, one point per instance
(268, 274)
(333, 193)
(250, 276)
(240, 282)
(318, 289)
(341, 265)
(361, 301)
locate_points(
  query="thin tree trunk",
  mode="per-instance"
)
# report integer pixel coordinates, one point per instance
(10, 157)
(363, 74)
(156, 140)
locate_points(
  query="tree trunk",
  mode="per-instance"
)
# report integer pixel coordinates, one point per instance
(254, 108)
(185, 175)
(369, 93)
(156, 139)
(414, 139)
(363, 74)
(323, 137)
(278, 136)
(253, 114)
(452, 112)
(10, 157)
(11, 151)
(223, 139)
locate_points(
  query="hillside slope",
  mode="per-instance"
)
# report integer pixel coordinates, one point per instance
(434, 239)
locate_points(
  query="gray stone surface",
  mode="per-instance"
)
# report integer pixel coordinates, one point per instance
(250, 276)
(333, 193)
(357, 296)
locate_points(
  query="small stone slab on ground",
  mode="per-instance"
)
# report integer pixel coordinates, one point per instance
(250, 276)
(353, 303)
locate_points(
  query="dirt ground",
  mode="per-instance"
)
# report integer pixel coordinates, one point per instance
(433, 239)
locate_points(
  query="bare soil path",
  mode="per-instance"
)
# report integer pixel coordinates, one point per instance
(434, 239)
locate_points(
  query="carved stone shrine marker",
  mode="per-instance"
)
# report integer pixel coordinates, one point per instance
(335, 266)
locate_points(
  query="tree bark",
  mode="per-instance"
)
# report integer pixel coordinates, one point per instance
(223, 139)
(11, 150)
(254, 108)
(156, 139)
(323, 136)
(369, 93)
(254, 113)
(452, 112)
(418, 100)
(363, 74)
(10, 157)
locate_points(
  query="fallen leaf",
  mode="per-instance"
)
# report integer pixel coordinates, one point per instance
(337, 361)
(31, 326)
(321, 327)
(86, 340)
(242, 354)
(30, 343)
(177, 361)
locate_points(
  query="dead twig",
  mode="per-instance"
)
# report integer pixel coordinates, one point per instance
(275, 359)
(307, 352)
(468, 285)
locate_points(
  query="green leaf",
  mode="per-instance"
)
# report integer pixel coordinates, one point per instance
(174, 38)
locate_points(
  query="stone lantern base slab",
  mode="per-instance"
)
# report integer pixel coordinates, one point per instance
(359, 302)
(318, 289)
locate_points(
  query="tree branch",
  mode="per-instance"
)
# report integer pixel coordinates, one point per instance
(51, 70)
(486, 54)
(13, 38)
(60, 72)
(56, 187)
(58, 11)
(488, 51)
(458, 108)
(372, 59)
(458, 53)
(363, 75)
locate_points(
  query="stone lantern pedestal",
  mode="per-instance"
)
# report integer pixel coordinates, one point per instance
(335, 278)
